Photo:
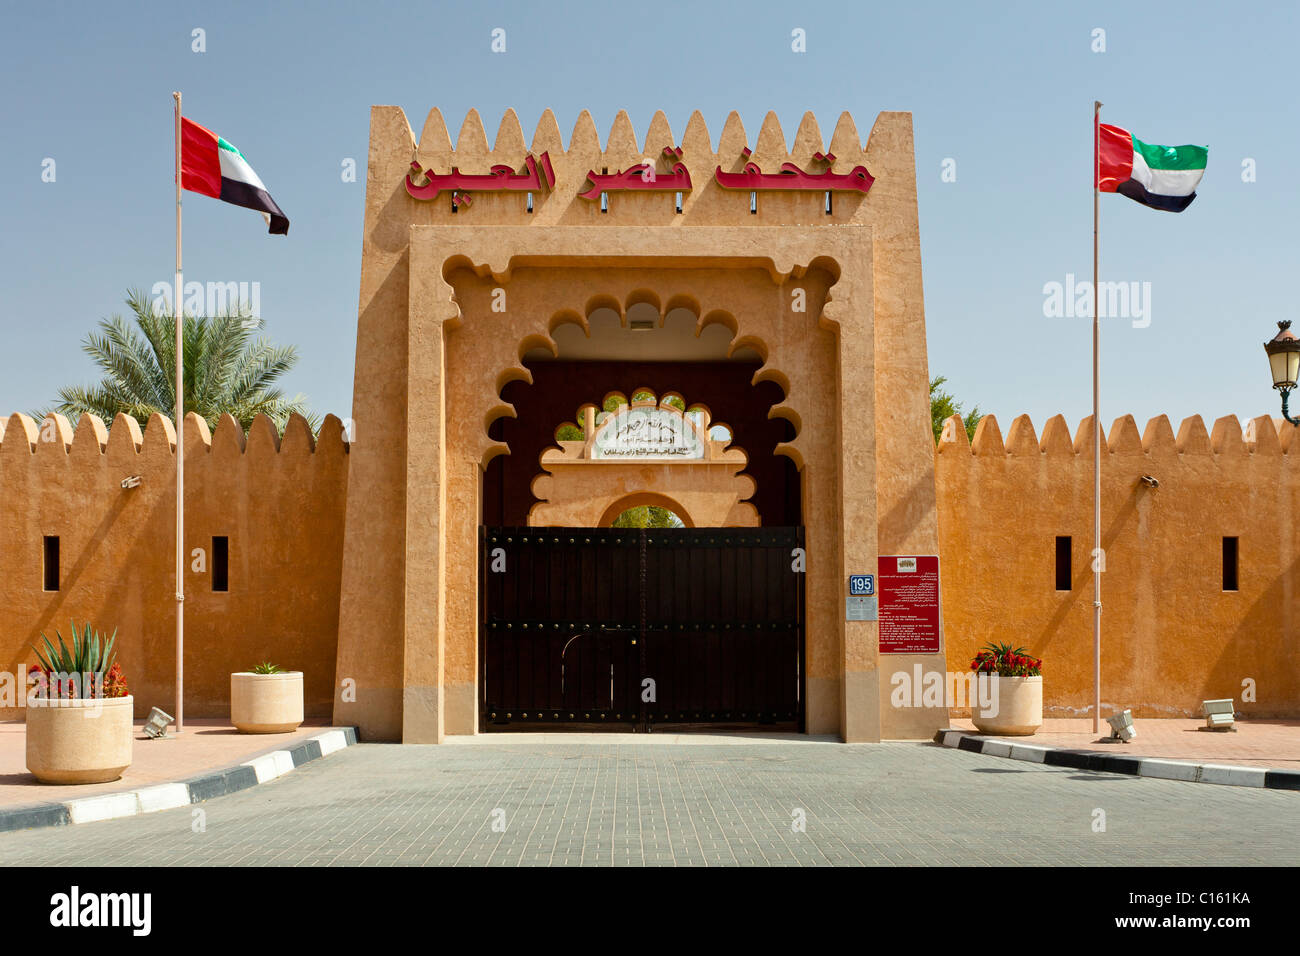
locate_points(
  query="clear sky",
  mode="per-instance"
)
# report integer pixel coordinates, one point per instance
(1004, 89)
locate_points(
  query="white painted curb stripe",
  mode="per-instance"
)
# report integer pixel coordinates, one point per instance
(1233, 776)
(1028, 752)
(1169, 770)
(108, 807)
(167, 796)
(272, 765)
(331, 741)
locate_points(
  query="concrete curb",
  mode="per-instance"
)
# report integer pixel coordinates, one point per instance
(168, 796)
(1118, 763)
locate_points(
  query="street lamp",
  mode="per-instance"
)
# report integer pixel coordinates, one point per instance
(1284, 362)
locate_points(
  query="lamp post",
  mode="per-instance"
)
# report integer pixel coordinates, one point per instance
(1284, 362)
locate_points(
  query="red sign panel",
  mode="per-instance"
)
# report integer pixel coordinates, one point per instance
(909, 604)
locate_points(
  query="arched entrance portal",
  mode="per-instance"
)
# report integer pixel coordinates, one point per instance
(694, 625)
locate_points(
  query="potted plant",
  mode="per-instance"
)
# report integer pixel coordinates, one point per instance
(79, 711)
(266, 700)
(1014, 706)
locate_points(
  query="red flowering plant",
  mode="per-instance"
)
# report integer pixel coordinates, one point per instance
(1006, 661)
(89, 670)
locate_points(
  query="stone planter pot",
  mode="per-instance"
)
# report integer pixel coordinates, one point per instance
(1016, 710)
(79, 741)
(266, 703)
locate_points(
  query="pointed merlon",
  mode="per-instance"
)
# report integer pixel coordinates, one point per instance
(434, 150)
(332, 437)
(198, 440)
(658, 137)
(1124, 437)
(988, 438)
(159, 436)
(297, 438)
(228, 439)
(697, 142)
(1158, 438)
(1193, 439)
(953, 437)
(1285, 432)
(471, 144)
(807, 140)
(1265, 441)
(1022, 442)
(54, 433)
(546, 138)
(1226, 437)
(20, 431)
(1056, 441)
(91, 437)
(846, 144)
(620, 146)
(1083, 438)
(771, 145)
(733, 143)
(508, 148)
(584, 140)
(125, 436)
(263, 437)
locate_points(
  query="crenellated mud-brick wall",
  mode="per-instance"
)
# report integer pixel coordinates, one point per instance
(1171, 636)
(280, 501)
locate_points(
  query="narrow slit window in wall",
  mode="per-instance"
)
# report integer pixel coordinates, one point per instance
(1230, 564)
(51, 548)
(1063, 569)
(220, 563)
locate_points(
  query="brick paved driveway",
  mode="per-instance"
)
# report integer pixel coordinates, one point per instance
(597, 803)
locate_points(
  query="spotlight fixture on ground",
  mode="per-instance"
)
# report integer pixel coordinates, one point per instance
(1121, 728)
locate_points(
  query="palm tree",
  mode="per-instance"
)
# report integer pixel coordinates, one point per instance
(226, 370)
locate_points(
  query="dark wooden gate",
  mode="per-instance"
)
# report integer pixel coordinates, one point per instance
(635, 629)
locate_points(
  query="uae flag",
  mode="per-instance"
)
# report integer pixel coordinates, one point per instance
(1162, 177)
(213, 167)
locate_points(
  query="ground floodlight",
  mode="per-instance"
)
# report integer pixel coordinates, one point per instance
(1121, 726)
(156, 725)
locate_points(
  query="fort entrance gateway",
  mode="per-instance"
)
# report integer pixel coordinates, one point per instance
(753, 310)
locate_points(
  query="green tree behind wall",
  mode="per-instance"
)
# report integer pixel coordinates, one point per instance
(227, 370)
(943, 406)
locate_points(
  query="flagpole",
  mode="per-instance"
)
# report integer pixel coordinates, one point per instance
(180, 446)
(1097, 554)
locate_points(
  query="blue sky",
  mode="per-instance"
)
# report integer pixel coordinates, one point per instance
(1005, 89)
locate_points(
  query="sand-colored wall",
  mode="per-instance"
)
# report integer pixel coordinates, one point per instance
(279, 501)
(1171, 636)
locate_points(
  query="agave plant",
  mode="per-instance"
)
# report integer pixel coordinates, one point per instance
(1006, 661)
(266, 667)
(88, 660)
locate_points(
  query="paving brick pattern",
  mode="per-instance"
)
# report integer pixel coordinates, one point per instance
(616, 804)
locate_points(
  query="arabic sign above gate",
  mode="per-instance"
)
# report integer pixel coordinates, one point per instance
(647, 432)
